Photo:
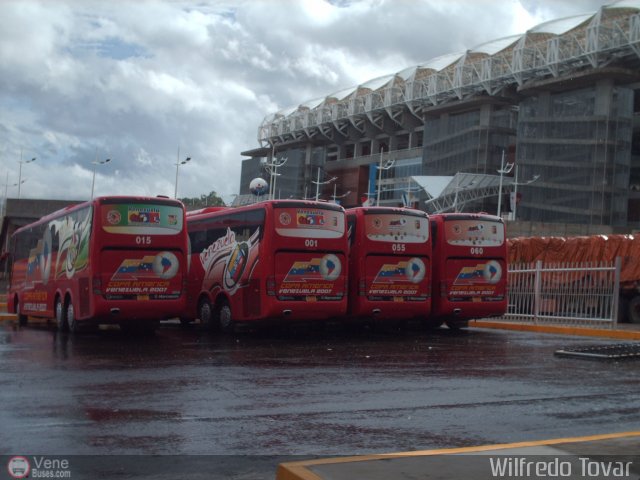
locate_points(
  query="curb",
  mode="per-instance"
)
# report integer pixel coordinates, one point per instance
(300, 471)
(559, 330)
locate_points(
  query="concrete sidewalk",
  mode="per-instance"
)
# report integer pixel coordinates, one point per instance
(621, 331)
(579, 457)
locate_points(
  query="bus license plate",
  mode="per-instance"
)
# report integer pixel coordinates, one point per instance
(312, 299)
(143, 297)
(398, 299)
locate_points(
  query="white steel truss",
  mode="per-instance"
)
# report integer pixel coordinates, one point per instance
(591, 41)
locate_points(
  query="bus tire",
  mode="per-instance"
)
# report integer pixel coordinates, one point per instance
(22, 319)
(205, 314)
(61, 316)
(634, 310)
(225, 318)
(71, 318)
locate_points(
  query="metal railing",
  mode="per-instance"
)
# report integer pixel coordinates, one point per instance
(565, 293)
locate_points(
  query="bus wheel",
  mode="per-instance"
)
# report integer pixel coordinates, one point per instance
(71, 319)
(205, 314)
(61, 317)
(227, 324)
(22, 319)
(634, 309)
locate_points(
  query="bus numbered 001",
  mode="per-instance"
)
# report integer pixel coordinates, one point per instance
(469, 268)
(389, 264)
(273, 260)
(112, 260)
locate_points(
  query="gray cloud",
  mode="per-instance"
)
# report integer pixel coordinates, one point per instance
(133, 81)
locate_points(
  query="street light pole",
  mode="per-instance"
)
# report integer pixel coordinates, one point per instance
(503, 169)
(20, 171)
(318, 183)
(515, 190)
(178, 163)
(387, 166)
(95, 164)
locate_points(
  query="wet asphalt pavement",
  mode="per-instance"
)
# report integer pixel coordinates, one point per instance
(300, 392)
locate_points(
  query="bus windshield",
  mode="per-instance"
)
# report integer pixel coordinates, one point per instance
(309, 222)
(395, 227)
(474, 232)
(141, 218)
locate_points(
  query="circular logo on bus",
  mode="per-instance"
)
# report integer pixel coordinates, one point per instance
(330, 267)
(165, 265)
(18, 467)
(415, 270)
(236, 265)
(114, 217)
(492, 272)
(285, 218)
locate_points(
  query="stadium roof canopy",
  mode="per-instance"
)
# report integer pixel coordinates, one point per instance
(551, 49)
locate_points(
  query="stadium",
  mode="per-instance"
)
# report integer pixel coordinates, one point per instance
(548, 121)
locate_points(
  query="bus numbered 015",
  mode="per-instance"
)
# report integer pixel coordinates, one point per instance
(389, 264)
(112, 260)
(274, 260)
(469, 268)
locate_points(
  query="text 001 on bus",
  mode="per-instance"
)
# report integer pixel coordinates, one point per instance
(274, 260)
(117, 260)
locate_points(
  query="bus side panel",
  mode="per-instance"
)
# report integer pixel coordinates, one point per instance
(227, 267)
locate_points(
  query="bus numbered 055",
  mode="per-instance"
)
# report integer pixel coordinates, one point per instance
(389, 264)
(469, 268)
(273, 260)
(113, 260)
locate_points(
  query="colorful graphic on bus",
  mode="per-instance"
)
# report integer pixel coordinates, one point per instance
(475, 279)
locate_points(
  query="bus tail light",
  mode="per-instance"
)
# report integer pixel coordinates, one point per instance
(361, 288)
(271, 286)
(443, 289)
(97, 286)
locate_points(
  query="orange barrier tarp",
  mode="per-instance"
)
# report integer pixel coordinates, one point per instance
(596, 248)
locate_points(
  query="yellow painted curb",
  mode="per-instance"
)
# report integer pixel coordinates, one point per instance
(559, 330)
(299, 471)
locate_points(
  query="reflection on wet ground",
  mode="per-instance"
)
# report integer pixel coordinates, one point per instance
(301, 391)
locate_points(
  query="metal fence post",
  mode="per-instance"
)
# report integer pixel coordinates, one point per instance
(536, 292)
(616, 292)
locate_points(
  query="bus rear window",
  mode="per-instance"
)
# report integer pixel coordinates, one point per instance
(309, 222)
(395, 228)
(137, 219)
(474, 232)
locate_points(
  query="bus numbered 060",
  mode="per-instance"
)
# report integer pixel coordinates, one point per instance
(113, 260)
(389, 264)
(469, 268)
(274, 260)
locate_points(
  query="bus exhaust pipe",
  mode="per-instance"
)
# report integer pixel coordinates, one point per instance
(115, 311)
(376, 311)
(286, 313)
(457, 312)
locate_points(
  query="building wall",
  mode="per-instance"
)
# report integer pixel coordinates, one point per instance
(579, 142)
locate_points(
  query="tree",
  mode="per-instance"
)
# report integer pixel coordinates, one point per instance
(210, 200)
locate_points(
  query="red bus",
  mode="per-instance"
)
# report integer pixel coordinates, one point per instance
(389, 264)
(119, 260)
(469, 268)
(278, 259)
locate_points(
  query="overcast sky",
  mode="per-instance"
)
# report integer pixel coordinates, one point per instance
(134, 81)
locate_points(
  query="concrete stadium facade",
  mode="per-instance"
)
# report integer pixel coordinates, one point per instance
(561, 102)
